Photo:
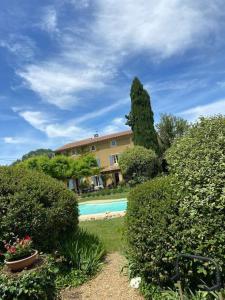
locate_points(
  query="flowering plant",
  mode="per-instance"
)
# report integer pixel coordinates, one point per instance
(19, 249)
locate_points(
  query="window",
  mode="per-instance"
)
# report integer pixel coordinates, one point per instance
(113, 143)
(93, 148)
(114, 159)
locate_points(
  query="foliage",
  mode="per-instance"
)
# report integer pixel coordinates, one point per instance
(83, 251)
(68, 277)
(63, 167)
(140, 119)
(38, 152)
(169, 128)
(106, 191)
(151, 292)
(20, 248)
(149, 231)
(36, 283)
(197, 161)
(35, 204)
(138, 164)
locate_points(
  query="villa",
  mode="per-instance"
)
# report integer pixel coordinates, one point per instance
(107, 150)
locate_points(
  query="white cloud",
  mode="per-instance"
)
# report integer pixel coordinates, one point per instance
(59, 84)
(80, 3)
(13, 140)
(52, 129)
(163, 27)
(20, 46)
(117, 124)
(101, 112)
(69, 130)
(91, 55)
(49, 20)
(210, 109)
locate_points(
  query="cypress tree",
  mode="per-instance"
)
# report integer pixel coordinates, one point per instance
(141, 119)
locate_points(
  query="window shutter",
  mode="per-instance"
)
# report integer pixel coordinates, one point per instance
(111, 160)
(98, 162)
(100, 180)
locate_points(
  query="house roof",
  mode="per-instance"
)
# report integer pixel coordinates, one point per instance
(93, 140)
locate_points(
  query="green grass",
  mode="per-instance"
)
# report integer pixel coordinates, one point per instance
(104, 197)
(109, 231)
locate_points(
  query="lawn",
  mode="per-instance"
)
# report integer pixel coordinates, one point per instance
(109, 231)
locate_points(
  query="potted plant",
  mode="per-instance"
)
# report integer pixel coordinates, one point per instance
(20, 254)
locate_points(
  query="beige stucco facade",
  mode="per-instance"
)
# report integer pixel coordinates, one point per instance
(107, 150)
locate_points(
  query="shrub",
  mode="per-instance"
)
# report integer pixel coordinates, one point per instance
(138, 164)
(34, 204)
(36, 283)
(83, 251)
(197, 161)
(148, 229)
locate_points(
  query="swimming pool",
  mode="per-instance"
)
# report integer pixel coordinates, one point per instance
(102, 207)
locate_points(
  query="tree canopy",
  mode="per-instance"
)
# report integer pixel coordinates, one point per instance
(38, 152)
(63, 167)
(138, 164)
(169, 128)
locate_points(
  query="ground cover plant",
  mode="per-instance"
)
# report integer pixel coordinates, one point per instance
(36, 283)
(32, 203)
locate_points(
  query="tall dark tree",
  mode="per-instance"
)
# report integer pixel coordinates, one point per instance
(141, 119)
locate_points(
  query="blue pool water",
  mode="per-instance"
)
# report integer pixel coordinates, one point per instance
(97, 208)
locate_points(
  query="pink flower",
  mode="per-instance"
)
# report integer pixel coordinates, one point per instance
(27, 238)
(12, 250)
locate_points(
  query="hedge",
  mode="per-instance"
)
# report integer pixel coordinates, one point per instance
(182, 213)
(37, 283)
(148, 230)
(35, 204)
(197, 161)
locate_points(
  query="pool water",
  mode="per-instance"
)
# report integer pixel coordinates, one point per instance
(97, 208)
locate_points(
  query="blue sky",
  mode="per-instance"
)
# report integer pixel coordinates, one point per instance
(67, 66)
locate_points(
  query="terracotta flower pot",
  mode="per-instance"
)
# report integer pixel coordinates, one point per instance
(22, 263)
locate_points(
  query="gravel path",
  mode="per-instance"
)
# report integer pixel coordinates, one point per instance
(109, 284)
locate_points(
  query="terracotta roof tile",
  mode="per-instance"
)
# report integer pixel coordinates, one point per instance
(93, 140)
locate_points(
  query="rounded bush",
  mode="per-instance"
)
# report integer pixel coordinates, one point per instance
(138, 164)
(197, 162)
(148, 229)
(35, 204)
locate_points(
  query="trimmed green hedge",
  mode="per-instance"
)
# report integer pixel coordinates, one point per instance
(36, 283)
(148, 221)
(197, 162)
(35, 204)
(182, 213)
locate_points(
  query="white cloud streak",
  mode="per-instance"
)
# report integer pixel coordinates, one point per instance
(49, 20)
(13, 140)
(192, 114)
(52, 129)
(90, 57)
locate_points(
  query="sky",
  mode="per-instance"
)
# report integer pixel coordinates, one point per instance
(66, 66)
